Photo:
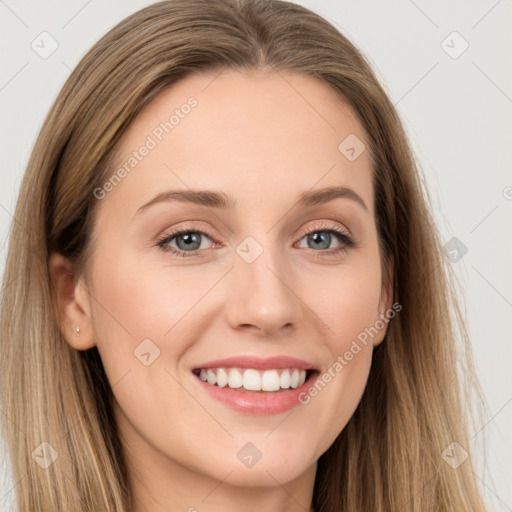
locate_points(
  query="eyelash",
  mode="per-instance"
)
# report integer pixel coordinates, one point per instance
(347, 242)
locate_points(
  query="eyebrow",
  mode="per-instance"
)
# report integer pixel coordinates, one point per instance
(214, 199)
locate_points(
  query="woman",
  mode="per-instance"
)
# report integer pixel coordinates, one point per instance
(228, 289)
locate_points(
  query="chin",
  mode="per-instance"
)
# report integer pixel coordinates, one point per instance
(278, 467)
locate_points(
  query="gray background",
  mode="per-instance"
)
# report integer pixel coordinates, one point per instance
(456, 107)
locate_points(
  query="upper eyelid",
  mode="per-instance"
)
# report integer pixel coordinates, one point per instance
(327, 226)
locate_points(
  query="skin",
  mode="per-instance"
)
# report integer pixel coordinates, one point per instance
(253, 137)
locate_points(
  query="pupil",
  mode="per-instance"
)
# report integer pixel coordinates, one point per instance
(322, 238)
(189, 240)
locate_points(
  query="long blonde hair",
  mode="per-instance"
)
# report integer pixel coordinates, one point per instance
(389, 456)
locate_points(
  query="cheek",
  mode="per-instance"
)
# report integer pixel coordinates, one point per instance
(333, 398)
(141, 316)
(348, 309)
(136, 302)
(348, 304)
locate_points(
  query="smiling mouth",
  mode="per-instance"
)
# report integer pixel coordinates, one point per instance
(253, 380)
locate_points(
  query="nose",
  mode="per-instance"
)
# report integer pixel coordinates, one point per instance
(264, 299)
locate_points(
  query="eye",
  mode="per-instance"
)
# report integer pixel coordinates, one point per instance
(186, 240)
(321, 238)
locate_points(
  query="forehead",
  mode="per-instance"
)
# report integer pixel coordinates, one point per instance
(255, 135)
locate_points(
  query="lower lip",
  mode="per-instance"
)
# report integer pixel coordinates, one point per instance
(262, 403)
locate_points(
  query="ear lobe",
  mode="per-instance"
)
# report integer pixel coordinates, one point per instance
(71, 303)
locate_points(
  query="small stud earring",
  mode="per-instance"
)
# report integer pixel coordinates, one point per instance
(77, 331)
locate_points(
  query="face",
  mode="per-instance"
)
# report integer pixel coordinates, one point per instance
(269, 278)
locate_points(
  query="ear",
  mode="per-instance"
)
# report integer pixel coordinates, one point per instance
(385, 305)
(72, 303)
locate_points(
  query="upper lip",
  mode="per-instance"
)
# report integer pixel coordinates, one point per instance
(268, 363)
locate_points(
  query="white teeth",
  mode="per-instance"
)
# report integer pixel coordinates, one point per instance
(294, 379)
(254, 380)
(285, 379)
(211, 377)
(270, 381)
(222, 377)
(235, 379)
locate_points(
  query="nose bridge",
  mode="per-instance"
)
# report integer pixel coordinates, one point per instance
(263, 296)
